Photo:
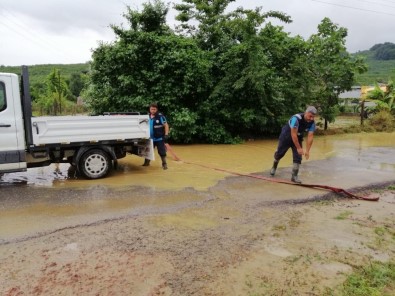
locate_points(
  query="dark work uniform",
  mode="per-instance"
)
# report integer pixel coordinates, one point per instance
(157, 132)
(285, 141)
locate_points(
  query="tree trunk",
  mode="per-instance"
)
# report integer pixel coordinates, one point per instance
(325, 124)
(362, 111)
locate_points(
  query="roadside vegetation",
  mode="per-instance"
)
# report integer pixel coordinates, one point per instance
(383, 121)
(55, 89)
(377, 278)
(365, 275)
(220, 76)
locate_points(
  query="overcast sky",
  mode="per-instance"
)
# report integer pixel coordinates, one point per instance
(66, 31)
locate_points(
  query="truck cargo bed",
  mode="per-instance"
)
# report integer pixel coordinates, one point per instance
(72, 129)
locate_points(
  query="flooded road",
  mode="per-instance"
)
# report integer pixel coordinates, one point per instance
(191, 230)
(45, 199)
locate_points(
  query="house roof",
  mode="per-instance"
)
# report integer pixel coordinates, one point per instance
(354, 93)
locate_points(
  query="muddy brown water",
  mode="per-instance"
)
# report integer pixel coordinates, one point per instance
(45, 199)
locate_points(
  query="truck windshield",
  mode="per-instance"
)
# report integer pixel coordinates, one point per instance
(2, 96)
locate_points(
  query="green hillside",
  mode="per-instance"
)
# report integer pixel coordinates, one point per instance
(39, 73)
(378, 70)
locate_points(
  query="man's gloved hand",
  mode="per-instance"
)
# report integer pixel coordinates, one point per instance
(165, 138)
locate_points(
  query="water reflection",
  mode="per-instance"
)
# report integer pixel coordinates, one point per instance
(42, 176)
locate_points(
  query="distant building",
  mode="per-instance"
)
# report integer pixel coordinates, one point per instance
(354, 93)
(351, 99)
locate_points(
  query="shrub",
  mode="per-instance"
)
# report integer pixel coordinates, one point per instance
(382, 121)
(353, 129)
(368, 129)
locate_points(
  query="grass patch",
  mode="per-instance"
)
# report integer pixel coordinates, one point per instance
(279, 228)
(343, 215)
(375, 279)
(391, 187)
(382, 121)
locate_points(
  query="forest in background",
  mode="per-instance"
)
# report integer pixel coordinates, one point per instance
(380, 60)
(378, 71)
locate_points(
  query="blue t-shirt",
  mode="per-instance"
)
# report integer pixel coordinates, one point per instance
(162, 120)
(294, 123)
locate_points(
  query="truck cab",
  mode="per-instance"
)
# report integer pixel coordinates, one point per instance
(12, 143)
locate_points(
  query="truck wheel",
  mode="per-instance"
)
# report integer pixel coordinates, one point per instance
(94, 164)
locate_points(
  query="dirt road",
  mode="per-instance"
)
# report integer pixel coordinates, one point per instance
(228, 243)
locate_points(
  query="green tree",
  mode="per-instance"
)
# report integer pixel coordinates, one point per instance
(76, 84)
(332, 68)
(56, 91)
(149, 63)
(252, 63)
(224, 75)
(385, 51)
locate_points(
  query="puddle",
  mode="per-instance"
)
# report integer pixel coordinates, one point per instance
(251, 157)
(42, 199)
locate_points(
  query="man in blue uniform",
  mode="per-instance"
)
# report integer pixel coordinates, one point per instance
(159, 131)
(292, 137)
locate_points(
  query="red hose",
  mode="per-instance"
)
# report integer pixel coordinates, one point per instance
(334, 189)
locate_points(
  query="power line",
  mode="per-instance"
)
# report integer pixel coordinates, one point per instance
(356, 8)
(22, 34)
(373, 2)
(388, 1)
(26, 29)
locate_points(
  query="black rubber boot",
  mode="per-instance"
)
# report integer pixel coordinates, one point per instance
(164, 163)
(274, 168)
(295, 172)
(146, 162)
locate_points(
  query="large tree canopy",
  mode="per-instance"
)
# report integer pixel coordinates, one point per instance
(221, 76)
(331, 67)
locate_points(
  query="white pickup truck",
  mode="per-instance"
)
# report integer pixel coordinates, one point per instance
(91, 143)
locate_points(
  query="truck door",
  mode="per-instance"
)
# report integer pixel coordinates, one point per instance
(12, 144)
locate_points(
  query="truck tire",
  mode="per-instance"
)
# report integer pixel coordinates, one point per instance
(95, 164)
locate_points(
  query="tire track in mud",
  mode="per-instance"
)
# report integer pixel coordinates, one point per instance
(12, 199)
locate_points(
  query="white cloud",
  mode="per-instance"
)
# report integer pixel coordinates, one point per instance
(65, 31)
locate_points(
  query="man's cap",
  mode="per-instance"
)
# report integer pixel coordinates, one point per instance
(312, 110)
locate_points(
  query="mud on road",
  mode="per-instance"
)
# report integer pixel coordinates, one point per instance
(192, 231)
(225, 241)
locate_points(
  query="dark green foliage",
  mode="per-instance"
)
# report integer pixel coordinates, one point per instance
(144, 67)
(384, 51)
(76, 84)
(231, 79)
(221, 77)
